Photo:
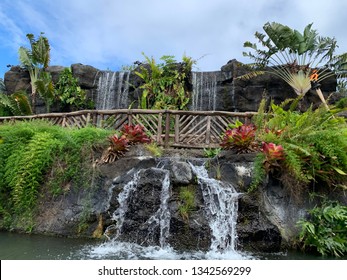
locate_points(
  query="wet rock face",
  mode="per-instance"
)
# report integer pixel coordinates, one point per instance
(132, 187)
(144, 208)
(141, 206)
(266, 219)
(255, 231)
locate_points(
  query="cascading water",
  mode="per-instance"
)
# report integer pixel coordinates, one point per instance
(119, 214)
(204, 97)
(113, 89)
(221, 202)
(220, 207)
(162, 217)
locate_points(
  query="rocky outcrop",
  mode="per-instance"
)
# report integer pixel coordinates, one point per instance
(222, 90)
(81, 211)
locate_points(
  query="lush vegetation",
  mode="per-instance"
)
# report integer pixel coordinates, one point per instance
(186, 201)
(65, 94)
(37, 154)
(69, 94)
(325, 230)
(307, 153)
(300, 149)
(300, 59)
(165, 84)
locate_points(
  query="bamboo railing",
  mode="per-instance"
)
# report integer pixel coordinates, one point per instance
(169, 128)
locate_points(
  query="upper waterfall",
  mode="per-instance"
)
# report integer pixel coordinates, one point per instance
(113, 89)
(204, 97)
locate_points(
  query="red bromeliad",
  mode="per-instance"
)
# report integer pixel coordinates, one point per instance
(273, 152)
(240, 138)
(119, 145)
(135, 134)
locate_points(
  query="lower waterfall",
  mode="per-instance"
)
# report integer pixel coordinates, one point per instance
(221, 209)
(152, 235)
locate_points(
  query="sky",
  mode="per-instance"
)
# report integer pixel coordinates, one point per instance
(109, 34)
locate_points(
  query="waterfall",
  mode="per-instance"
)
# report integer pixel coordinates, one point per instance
(161, 218)
(119, 214)
(204, 97)
(221, 203)
(147, 234)
(113, 89)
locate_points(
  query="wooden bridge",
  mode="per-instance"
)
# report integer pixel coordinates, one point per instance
(169, 128)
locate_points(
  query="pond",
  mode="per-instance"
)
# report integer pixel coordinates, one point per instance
(14, 246)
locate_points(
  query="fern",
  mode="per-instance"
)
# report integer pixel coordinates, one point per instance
(27, 174)
(325, 230)
(35, 154)
(314, 142)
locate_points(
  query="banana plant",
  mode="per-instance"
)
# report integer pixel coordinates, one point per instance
(302, 60)
(35, 60)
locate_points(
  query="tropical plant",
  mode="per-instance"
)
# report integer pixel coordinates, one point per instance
(35, 60)
(165, 83)
(15, 104)
(119, 145)
(45, 89)
(302, 60)
(186, 201)
(240, 138)
(121, 140)
(154, 149)
(273, 153)
(309, 147)
(36, 155)
(211, 152)
(69, 93)
(135, 134)
(325, 230)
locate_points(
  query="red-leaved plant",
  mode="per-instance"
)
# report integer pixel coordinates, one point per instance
(118, 146)
(119, 143)
(135, 134)
(241, 138)
(273, 155)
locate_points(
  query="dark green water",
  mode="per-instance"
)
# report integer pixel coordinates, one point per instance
(15, 246)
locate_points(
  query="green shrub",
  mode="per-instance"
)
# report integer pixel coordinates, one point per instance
(35, 154)
(314, 145)
(165, 84)
(325, 230)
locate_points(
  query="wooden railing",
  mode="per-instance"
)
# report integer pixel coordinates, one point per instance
(169, 128)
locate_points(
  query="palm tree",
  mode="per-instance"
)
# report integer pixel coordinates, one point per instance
(35, 60)
(302, 60)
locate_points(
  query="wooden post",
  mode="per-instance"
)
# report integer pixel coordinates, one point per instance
(160, 128)
(208, 130)
(130, 117)
(95, 118)
(64, 121)
(177, 128)
(167, 129)
(101, 119)
(88, 119)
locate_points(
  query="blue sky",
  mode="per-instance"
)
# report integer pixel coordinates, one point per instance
(107, 34)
